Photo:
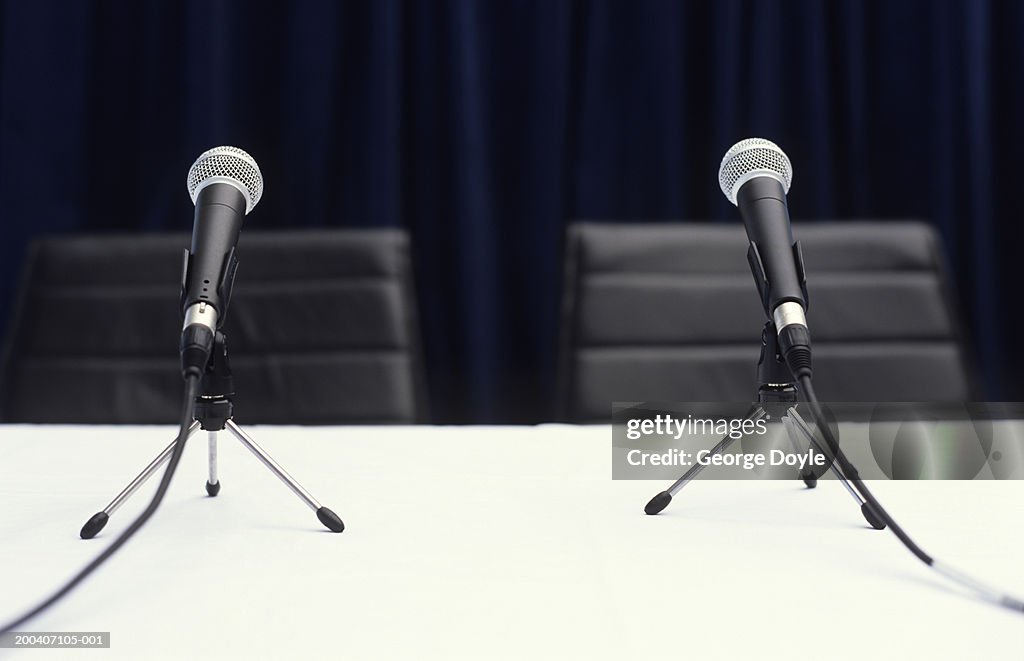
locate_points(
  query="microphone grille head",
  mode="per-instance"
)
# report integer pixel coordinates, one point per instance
(753, 157)
(227, 165)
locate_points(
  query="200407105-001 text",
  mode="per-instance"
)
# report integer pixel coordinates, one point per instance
(55, 639)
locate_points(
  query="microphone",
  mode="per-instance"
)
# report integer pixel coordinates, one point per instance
(755, 175)
(225, 184)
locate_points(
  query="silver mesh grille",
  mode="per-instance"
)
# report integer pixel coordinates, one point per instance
(229, 165)
(749, 158)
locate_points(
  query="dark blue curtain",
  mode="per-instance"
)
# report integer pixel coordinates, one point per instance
(483, 126)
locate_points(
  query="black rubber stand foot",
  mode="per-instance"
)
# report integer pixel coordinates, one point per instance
(810, 480)
(330, 519)
(871, 517)
(212, 489)
(658, 503)
(94, 525)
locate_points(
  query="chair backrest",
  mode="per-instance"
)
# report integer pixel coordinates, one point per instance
(669, 312)
(322, 328)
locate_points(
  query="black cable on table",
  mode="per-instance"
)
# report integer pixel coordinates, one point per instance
(191, 388)
(853, 476)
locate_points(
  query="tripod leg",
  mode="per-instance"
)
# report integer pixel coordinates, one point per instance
(212, 484)
(99, 519)
(326, 516)
(793, 422)
(661, 501)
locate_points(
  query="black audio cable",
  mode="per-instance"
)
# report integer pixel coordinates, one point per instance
(191, 389)
(985, 591)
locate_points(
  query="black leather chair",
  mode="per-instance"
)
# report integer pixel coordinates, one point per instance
(321, 329)
(669, 312)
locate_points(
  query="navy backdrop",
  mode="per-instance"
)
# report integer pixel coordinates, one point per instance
(483, 126)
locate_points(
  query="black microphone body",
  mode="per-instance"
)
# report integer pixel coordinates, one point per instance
(210, 271)
(762, 203)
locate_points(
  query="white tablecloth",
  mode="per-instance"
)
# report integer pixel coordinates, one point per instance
(488, 543)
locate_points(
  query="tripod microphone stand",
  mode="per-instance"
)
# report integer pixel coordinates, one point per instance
(776, 398)
(213, 412)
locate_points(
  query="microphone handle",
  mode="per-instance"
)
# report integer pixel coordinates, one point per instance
(209, 273)
(776, 261)
(210, 265)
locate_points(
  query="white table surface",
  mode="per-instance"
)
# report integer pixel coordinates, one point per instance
(488, 543)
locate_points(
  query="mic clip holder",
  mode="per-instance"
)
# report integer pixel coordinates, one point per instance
(214, 407)
(222, 291)
(775, 380)
(764, 289)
